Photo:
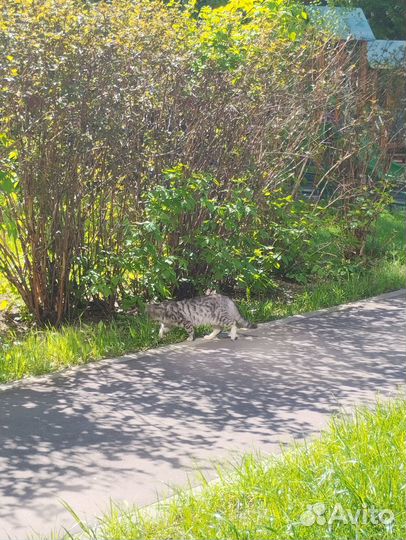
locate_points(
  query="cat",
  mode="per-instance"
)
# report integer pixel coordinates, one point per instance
(214, 309)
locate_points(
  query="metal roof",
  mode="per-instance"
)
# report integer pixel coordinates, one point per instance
(345, 23)
(386, 54)
(351, 23)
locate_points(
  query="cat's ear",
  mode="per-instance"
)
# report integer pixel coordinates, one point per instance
(210, 292)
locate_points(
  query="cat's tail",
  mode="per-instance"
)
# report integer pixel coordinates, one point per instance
(234, 313)
(243, 323)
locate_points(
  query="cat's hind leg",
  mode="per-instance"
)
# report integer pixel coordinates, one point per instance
(188, 326)
(216, 331)
(233, 331)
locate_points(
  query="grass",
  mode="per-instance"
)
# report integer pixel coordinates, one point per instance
(44, 351)
(358, 463)
(387, 276)
(388, 236)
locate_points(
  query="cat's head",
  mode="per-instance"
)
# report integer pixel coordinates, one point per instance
(154, 311)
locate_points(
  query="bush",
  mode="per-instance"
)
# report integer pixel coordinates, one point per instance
(198, 234)
(99, 99)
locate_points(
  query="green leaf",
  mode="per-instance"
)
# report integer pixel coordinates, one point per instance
(6, 183)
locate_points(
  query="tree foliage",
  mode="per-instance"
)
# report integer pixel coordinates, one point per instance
(100, 102)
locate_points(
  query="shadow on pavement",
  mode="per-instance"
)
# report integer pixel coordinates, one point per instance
(83, 428)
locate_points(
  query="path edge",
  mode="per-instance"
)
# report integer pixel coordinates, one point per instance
(160, 351)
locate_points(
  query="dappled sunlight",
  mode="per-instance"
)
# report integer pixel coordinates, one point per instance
(127, 429)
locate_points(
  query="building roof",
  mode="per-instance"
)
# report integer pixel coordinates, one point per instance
(345, 23)
(384, 53)
(351, 23)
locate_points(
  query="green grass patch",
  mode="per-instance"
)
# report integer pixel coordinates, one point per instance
(387, 276)
(357, 463)
(388, 237)
(45, 351)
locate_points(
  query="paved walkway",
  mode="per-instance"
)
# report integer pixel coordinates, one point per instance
(128, 428)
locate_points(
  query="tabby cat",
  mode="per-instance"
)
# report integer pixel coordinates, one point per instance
(214, 309)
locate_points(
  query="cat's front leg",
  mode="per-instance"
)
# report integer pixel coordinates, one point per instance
(188, 326)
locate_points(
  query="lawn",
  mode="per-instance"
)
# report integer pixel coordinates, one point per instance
(36, 352)
(347, 484)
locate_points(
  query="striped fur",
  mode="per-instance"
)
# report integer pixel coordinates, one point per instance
(215, 310)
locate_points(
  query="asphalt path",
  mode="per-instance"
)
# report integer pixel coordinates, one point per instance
(129, 428)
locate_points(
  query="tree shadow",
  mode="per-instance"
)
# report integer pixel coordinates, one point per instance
(124, 427)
